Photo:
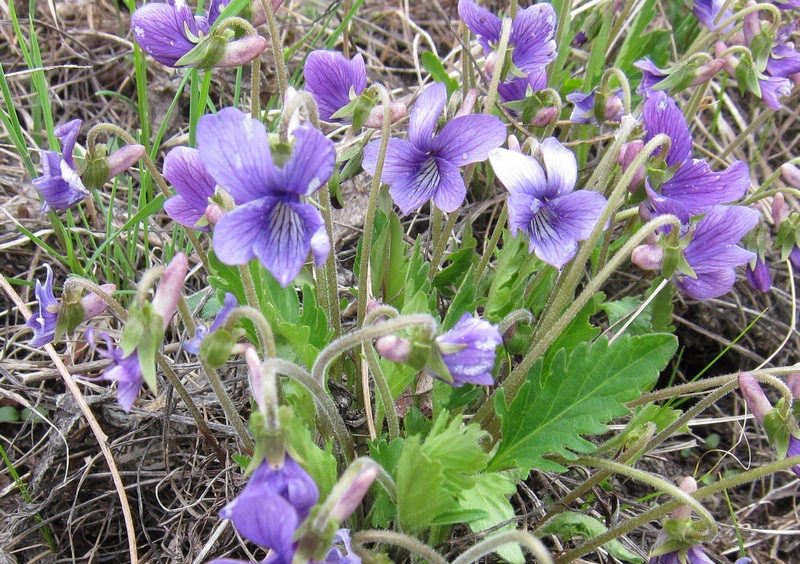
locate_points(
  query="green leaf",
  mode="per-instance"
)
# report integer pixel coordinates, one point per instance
(434, 66)
(575, 396)
(572, 523)
(458, 448)
(597, 55)
(422, 494)
(388, 456)
(319, 463)
(491, 493)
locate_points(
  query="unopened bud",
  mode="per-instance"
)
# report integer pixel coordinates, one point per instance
(729, 62)
(349, 492)
(780, 210)
(791, 174)
(648, 257)
(243, 51)
(757, 401)
(393, 348)
(513, 144)
(689, 486)
(709, 70)
(397, 110)
(123, 159)
(627, 154)
(213, 213)
(613, 109)
(793, 382)
(170, 287)
(93, 305)
(468, 104)
(545, 117)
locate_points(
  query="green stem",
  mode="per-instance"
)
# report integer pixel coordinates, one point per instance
(499, 226)
(384, 393)
(494, 543)
(277, 51)
(227, 405)
(265, 334)
(502, 47)
(249, 286)
(369, 218)
(118, 311)
(411, 544)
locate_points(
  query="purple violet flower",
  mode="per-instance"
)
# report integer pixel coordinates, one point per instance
(330, 79)
(759, 275)
(202, 331)
(270, 222)
(520, 88)
(168, 31)
(426, 166)
(707, 11)
(125, 370)
(43, 323)
(543, 204)
(468, 351)
(184, 169)
(532, 39)
(272, 506)
(60, 184)
(713, 253)
(584, 106)
(692, 555)
(694, 187)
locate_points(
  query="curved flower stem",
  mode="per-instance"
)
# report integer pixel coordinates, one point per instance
(227, 405)
(516, 316)
(147, 281)
(330, 420)
(558, 104)
(384, 393)
(597, 477)
(265, 334)
(110, 129)
(382, 310)
(761, 195)
(694, 102)
(499, 226)
(277, 51)
(502, 47)
(782, 388)
(397, 539)
(492, 544)
(485, 415)
(118, 311)
(249, 287)
(301, 99)
(740, 14)
(202, 427)
(369, 218)
(255, 87)
(623, 83)
(661, 510)
(367, 333)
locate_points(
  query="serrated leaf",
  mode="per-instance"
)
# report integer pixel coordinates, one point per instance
(422, 494)
(491, 493)
(576, 396)
(571, 523)
(383, 510)
(458, 448)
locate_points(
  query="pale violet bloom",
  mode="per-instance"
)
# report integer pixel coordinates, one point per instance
(202, 330)
(330, 79)
(427, 165)
(271, 222)
(468, 351)
(43, 321)
(125, 370)
(543, 204)
(584, 106)
(60, 184)
(708, 10)
(184, 169)
(692, 187)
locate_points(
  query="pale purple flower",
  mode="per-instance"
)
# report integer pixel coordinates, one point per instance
(651, 75)
(708, 10)
(43, 321)
(330, 79)
(184, 169)
(270, 222)
(713, 252)
(532, 39)
(427, 166)
(60, 184)
(125, 370)
(692, 555)
(468, 351)
(520, 88)
(543, 204)
(202, 330)
(168, 31)
(584, 106)
(759, 275)
(694, 187)
(272, 506)
(341, 552)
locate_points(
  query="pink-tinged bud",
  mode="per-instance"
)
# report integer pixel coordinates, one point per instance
(123, 159)
(468, 104)
(490, 63)
(729, 62)
(213, 213)
(689, 486)
(793, 382)
(613, 109)
(625, 158)
(644, 213)
(242, 51)
(648, 257)
(258, 16)
(170, 287)
(513, 144)
(708, 71)
(791, 174)
(93, 305)
(349, 492)
(752, 24)
(256, 380)
(393, 348)
(757, 401)
(780, 210)
(545, 117)
(397, 111)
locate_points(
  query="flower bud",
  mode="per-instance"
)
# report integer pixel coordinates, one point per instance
(625, 158)
(793, 382)
(123, 159)
(349, 491)
(170, 287)
(393, 348)
(791, 175)
(614, 107)
(93, 305)
(397, 111)
(759, 276)
(242, 51)
(468, 105)
(757, 401)
(780, 210)
(545, 117)
(648, 257)
(213, 213)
